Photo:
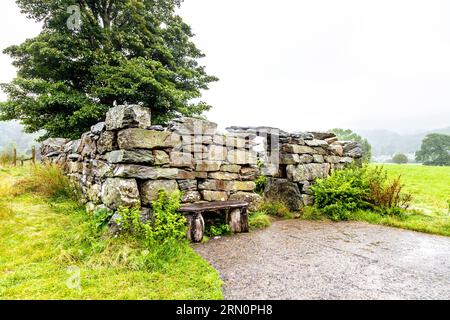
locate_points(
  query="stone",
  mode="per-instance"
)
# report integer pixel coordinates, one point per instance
(242, 186)
(233, 141)
(337, 149)
(160, 157)
(72, 146)
(193, 148)
(332, 159)
(128, 116)
(346, 160)
(305, 187)
(88, 147)
(223, 176)
(196, 139)
(292, 140)
(201, 174)
(93, 193)
(186, 175)
(136, 138)
(90, 207)
(217, 153)
(308, 200)
(233, 168)
(318, 158)
(270, 170)
(253, 199)
(181, 160)
(316, 143)
(53, 145)
(331, 140)
(187, 185)
(294, 148)
(156, 127)
(306, 158)
(208, 166)
(144, 172)
(302, 135)
(241, 157)
(107, 142)
(190, 126)
(74, 157)
(353, 150)
(289, 158)
(120, 192)
(209, 195)
(216, 185)
(130, 156)
(322, 135)
(249, 173)
(149, 190)
(98, 128)
(102, 169)
(284, 191)
(73, 167)
(308, 172)
(320, 150)
(191, 196)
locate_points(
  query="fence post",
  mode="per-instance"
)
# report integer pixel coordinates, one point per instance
(15, 157)
(33, 155)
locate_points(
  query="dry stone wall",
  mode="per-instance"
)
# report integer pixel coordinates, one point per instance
(126, 160)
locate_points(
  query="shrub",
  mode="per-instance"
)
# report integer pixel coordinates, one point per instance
(218, 228)
(276, 208)
(48, 181)
(166, 223)
(347, 191)
(259, 220)
(261, 183)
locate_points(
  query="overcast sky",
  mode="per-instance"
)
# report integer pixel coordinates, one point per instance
(310, 65)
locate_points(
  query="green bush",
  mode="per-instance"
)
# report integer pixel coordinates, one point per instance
(261, 183)
(259, 220)
(166, 224)
(217, 228)
(353, 189)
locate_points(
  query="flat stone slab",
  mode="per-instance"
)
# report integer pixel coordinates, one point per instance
(296, 259)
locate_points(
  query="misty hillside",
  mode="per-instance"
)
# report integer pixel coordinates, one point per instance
(11, 134)
(387, 143)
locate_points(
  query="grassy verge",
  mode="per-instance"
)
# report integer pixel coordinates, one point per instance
(49, 250)
(430, 188)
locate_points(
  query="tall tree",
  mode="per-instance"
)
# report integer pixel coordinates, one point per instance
(349, 135)
(125, 51)
(435, 150)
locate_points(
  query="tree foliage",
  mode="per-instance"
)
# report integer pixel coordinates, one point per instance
(349, 135)
(400, 158)
(435, 150)
(126, 51)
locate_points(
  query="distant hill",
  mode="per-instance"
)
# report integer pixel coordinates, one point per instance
(386, 143)
(11, 134)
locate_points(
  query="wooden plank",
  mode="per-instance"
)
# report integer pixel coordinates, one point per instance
(213, 206)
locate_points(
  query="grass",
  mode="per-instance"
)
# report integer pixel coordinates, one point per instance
(259, 220)
(429, 213)
(47, 241)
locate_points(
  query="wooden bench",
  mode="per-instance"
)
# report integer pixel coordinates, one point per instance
(236, 216)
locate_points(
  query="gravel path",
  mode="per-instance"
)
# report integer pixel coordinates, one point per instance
(296, 259)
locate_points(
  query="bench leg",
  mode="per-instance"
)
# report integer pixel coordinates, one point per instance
(235, 221)
(196, 227)
(244, 220)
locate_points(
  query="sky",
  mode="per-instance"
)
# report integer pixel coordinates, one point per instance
(311, 65)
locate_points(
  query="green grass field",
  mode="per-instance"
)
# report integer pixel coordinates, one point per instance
(429, 212)
(48, 251)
